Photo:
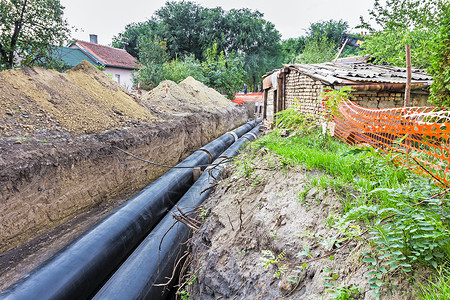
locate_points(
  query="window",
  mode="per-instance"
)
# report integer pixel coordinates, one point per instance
(117, 77)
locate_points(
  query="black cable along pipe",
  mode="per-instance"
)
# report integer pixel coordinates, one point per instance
(80, 269)
(153, 261)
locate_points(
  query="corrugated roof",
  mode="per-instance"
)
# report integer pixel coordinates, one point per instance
(339, 73)
(109, 56)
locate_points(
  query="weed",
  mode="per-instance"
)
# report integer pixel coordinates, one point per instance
(269, 259)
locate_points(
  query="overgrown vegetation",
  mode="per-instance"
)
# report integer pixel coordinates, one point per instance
(423, 24)
(31, 32)
(403, 218)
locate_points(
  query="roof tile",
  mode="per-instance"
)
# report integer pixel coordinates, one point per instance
(110, 56)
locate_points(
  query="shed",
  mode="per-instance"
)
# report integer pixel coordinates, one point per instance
(375, 86)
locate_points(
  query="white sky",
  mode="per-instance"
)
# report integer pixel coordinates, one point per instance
(107, 18)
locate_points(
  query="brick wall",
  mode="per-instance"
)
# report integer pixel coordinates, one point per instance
(388, 99)
(304, 90)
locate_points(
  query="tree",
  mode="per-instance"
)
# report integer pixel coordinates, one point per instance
(179, 69)
(440, 63)
(317, 50)
(257, 40)
(129, 38)
(153, 56)
(180, 24)
(223, 73)
(189, 28)
(331, 30)
(30, 29)
(402, 22)
(290, 48)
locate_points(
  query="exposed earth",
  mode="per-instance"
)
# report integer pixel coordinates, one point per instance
(59, 172)
(264, 222)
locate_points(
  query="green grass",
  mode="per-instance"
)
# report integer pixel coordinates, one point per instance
(437, 288)
(365, 171)
(372, 188)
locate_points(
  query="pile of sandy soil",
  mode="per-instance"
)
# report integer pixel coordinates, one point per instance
(260, 232)
(189, 96)
(34, 102)
(206, 95)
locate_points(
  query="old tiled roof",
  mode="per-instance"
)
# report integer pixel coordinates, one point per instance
(360, 73)
(109, 56)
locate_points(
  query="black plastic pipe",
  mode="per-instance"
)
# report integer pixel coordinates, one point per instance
(80, 269)
(155, 258)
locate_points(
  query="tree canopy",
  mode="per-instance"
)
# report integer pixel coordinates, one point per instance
(424, 25)
(30, 29)
(401, 22)
(319, 45)
(190, 29)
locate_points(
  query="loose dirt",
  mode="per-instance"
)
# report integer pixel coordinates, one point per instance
(37, 102)
(190, 96)
(58, 169)
(272, 211)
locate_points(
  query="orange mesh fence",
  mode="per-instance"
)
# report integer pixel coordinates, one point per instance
(421, 135)
(240, 98)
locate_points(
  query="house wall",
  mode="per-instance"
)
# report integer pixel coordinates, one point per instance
(125, 76)
(388, 99)
(271, 97)
(306, 91)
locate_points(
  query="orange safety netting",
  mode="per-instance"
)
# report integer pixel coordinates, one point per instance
(241, 98)
(420, 134)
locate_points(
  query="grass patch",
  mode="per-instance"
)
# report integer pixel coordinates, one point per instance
(406, 222)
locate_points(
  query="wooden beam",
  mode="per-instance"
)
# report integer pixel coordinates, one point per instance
(408, 77)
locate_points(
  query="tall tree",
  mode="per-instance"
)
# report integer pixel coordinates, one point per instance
(321, 41)
(180, 24)
(129, 38)
(331, 30)
(257, 39)
(30, 29)
(292, 47)
(189, 28)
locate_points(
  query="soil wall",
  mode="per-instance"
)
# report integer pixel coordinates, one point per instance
(43, 185)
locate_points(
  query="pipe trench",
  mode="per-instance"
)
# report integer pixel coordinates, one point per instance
(79, 270)
(140, 276)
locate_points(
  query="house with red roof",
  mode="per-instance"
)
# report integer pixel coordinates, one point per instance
(117, 62)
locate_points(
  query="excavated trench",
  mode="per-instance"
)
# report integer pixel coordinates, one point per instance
(52, 192)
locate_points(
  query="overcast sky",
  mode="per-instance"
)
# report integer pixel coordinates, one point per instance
(107, 18)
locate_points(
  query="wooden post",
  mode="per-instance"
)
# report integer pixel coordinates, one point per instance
(408, 92)
(266, 92)
(408, 77)
(279, 92)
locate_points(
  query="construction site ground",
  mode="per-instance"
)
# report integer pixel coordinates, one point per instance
(59, 171)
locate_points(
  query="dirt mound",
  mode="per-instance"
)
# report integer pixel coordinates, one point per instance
(35, 101)
(187, 97)
(168, 98)
(203, 93)
(262, 227)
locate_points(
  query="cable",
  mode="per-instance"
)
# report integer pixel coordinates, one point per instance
(166, 166)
